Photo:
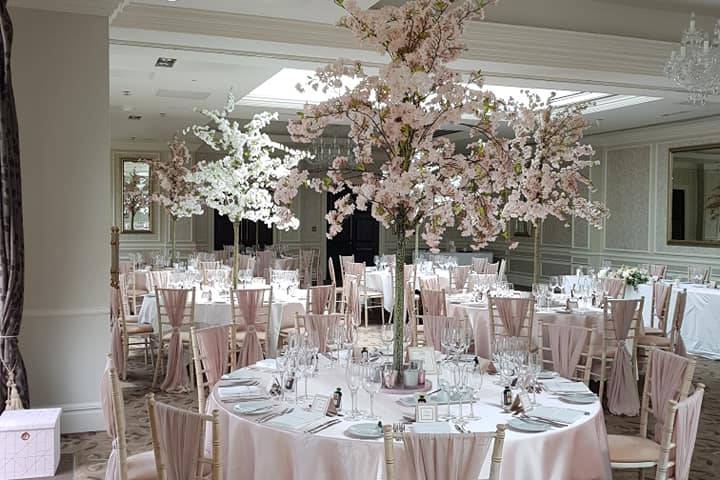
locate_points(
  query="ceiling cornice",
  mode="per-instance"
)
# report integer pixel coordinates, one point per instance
(486, 41)
(103, 8)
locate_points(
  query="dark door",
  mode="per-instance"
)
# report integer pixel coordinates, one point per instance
(250, 234)
(359, 237)
(678, 214)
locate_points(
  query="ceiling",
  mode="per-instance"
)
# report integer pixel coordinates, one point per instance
(222, 44)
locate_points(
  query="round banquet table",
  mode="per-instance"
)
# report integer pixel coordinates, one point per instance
(258, 451)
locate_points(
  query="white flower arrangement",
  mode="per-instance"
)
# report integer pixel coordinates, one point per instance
(633, 276)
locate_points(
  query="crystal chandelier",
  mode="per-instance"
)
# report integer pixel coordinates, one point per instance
(696, 66)
(325, 150)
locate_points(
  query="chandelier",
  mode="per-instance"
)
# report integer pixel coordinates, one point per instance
(326, 149)
(696, 66)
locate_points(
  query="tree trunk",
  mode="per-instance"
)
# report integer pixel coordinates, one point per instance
(236, 248)
(536, 252)
(132, 221)
(399, 313)
(172, 241)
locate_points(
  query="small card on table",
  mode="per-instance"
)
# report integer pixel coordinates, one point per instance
(426, 413)
(321, 404)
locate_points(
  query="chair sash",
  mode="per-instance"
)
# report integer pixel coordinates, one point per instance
(433, 326)
(246, 262)
(492, 268)
(159, 279)
(446, 456)
(351, 296)
(321, 299)
(432, 301)
(478, 264)
(249, 301)
(661, 295)
(176, 378)
(262, 264)
(566, 345)
(214, 351)
(320, 323)
(461, 274)
(622, 388)
(284, 264)
(306, 263)
(614, 287)
(111, 469)
(430, 282)
(686, 426)
(667, 372)
(180, 433)
(117, 351)
(657, 271)
(354, 268)
(678, 318)
(512, 313)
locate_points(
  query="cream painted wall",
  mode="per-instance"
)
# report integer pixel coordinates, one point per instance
(60, 67)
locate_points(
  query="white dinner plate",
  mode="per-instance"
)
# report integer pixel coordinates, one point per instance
(579, 398)
(527, 425)
(253, 408)
(366, 431)
(547, 375)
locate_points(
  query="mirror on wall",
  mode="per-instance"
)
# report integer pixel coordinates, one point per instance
(694, 196)
(136, 201)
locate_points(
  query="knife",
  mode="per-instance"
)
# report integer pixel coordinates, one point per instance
(323, 426)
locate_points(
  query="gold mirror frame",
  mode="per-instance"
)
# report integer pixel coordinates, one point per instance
(670, 240)
(136, 159)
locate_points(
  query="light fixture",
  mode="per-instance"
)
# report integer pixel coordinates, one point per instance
(165, 62)
(134, 117)
(696, 66)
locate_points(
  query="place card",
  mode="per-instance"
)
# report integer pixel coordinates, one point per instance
(321, 404)
(427, 355)
(426, 413)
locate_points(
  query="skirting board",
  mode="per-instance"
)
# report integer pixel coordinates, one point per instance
(81, 417)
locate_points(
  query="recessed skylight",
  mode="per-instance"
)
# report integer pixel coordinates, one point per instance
(279, 91)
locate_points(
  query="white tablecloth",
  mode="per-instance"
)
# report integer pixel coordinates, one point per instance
(381, 281)
(259, 452)
(282, 315)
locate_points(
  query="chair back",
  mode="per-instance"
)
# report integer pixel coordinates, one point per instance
(680, 433)
(459, 277)
(179, 444)
(430, 282)
(285, 264)
(492, 268)
(119, 334)
(621, 317)
(211, 357)
(702, 272)
(512, 316)
(246, 262)
(660, 304)
(445, 456)
(658, 271)
(159, 279)
(263, 262)
(113, 408)
(320, 299)
(677, 345)
(433, 326)
(251, 310)
(331, 271)
(306, 262)
(433, 301)
(563, 347)
(478, 264)
(355, 268)
(350, 300)
(176, 312)
(343, 259)
(668, 377)
(615, 287)
(320, 324)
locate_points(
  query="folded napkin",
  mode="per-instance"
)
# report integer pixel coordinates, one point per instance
(557, 414)
(240, 374)
(251, 406)
(240, 391)
(267, 364)
(298, 420)
(432, 427)
(564, 386)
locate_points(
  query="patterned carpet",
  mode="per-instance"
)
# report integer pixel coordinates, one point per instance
(91, 449)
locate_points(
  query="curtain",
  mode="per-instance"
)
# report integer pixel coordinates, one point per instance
(11, 241)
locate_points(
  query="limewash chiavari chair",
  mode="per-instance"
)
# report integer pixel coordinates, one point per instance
(251, 311)
(320, 323)
(706, 273)
(369, 299)
(459, 278)
(661, 293)
(350, 300)
(320, 299)
(333, 282)
(492, 268)
(306, 263)
(562, 348)
(478, 264)
(170, 322)
(178, 438)
(120, 466)
(615, 287)
(512, 317)
(343, 259)
(438, 456)
(667, 381)
(211, 357)
(501, 269)
(137, 286)
(130, 330)
(433, 301)
(683, 418)
(433, 325)
(263, 262)
(658, 271)
(613, 339)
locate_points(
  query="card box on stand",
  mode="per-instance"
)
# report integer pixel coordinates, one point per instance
(29, 443)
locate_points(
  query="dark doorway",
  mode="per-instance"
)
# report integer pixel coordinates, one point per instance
(249, 233)
(359, 237)
(678, 214)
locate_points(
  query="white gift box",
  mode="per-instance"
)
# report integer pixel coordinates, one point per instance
(29, 443)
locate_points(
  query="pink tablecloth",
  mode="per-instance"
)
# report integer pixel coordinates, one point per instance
(259, 452)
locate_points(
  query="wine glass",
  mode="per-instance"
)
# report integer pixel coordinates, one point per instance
(371, 382)
(305, 365)
(354, 379)
(387, 332)
(445, 379)
(475, 381)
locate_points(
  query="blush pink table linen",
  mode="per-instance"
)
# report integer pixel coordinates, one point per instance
(258, 451)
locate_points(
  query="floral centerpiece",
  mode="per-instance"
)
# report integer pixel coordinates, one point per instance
(135, 195)
(633, 276)
(244, 183)
(406, 174)
(174, 192)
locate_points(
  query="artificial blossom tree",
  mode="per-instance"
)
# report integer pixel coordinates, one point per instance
(175, 193)
(135, 195)
(400, 169)
(243, 184)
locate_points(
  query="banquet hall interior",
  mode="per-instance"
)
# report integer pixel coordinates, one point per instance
(360, 239)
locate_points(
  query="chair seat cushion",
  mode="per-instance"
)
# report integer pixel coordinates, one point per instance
(142, 466)
(653, 331)
(139, 328)
(630, 449)
(653, 340)
(240, 336)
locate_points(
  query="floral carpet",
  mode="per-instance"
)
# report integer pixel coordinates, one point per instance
(90, 450)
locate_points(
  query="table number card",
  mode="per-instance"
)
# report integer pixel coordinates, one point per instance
(321, 404)
(426, 413)
(427, 355)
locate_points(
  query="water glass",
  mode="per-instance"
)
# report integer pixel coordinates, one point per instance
(353, 378)
(372, 382)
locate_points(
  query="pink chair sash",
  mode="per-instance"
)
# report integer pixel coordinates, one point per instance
(111, 469)
(213, 346)
(352, 297)
(320, 323)
(461, 276)
(249, 301)
(321, 298)
(446, 456)
(657, 271)
(678, 318)
(615, 287)
(622, 388)
(432, 301)
(262, 264)
(284, 264)
(245, 262)
(306, 260)
(661, 293)
(117, 352)
(478, 264)
(566, 345)
(686, 426)
(354, 268)
(180, 433)
(512, 313)
(430, 283)
(667, 371)
(176, 378)
(433, 326)
(492, 267)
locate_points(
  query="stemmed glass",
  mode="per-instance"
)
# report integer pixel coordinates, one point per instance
(312, 343)
(354, 379)
(334, 341)
(458, 387)
(386, 335)
(371, 382)
(534, 368)
(475, 381)
(304, 365)
(445, 379)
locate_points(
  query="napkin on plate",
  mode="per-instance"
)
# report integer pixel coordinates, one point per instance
(432, 427)
(297, 420)
(267, 364)
(557, 414)
(564, 386)
(240, 391)
(241, 374)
